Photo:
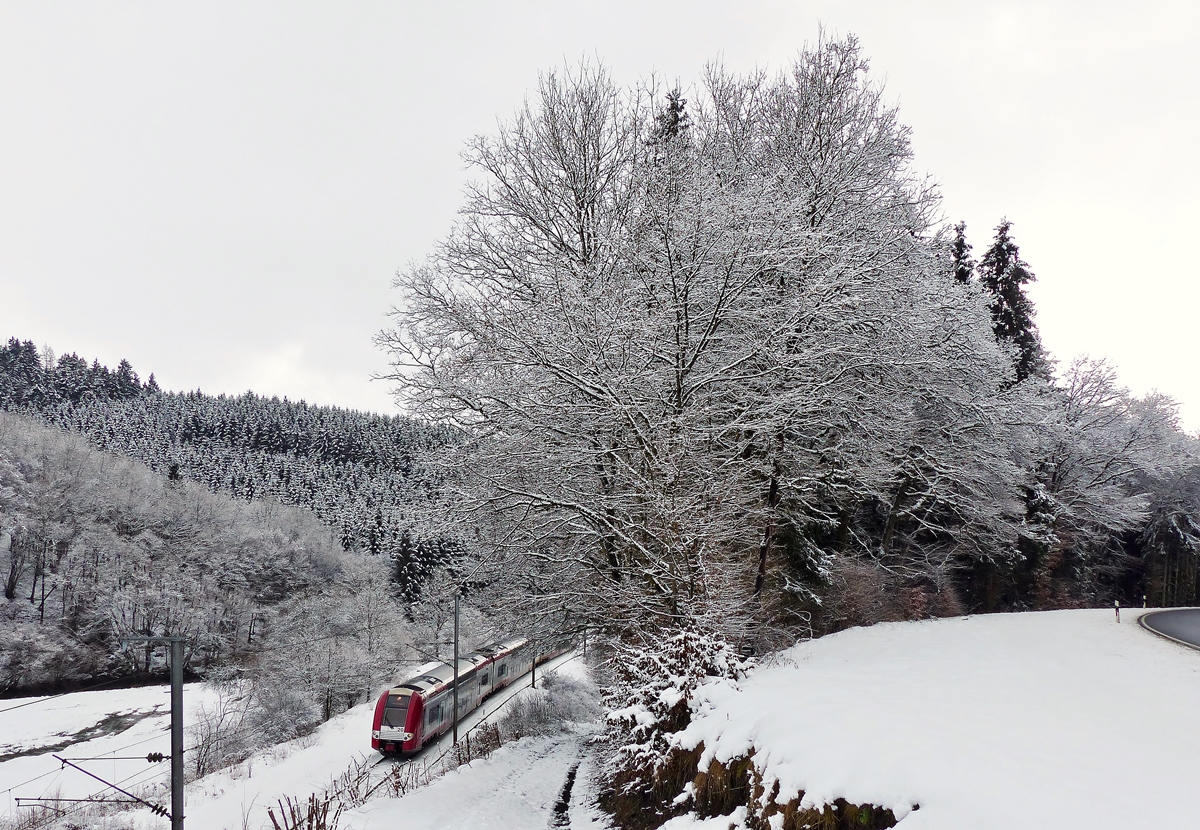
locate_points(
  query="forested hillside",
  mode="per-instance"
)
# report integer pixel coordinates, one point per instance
(360, 473)
(94, 548)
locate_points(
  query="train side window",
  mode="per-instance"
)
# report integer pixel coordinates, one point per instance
(502, 671)
(483, 679)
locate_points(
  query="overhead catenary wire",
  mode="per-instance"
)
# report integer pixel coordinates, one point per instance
(97, 758)
(31, 780)
(51, 819)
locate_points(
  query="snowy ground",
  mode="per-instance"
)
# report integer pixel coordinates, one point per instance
(517, 787)
(522, 779)
(1057, 720)
(126, 723)
(1049, 720)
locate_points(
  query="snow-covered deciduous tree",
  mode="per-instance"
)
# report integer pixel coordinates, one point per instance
(691, 365)
(1099, 461)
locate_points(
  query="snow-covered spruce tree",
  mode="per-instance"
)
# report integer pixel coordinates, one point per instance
(963, 263)
(1004, 274)
(694, 371)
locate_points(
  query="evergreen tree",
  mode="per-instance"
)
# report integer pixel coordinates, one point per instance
(125, 381)
(71, 378)
(1004, 274)
(673, 120)
(963, 264)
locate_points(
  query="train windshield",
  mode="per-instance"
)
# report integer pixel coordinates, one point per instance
(396, 711)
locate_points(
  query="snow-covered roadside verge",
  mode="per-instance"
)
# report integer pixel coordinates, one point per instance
(1058, 720)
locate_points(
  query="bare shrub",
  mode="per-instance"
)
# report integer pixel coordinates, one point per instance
(352, 787)
(281, 712)
(219, 730)
(402, 779)
(550, 709)
(478, 743)
(318, 813)
(860, 593)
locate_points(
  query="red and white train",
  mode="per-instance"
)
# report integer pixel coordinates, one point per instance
(410, 715)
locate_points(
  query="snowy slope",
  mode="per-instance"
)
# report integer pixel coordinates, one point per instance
(516, 788)
(1053, 720)
(1039, 720)
(241, 794)
(122, 723)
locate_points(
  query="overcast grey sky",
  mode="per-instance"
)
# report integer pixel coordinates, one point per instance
(221, 192)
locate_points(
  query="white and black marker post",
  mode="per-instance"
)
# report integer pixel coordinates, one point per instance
(1117, 608)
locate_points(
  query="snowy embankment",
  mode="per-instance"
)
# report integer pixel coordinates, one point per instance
(1060, 720)
(517, 787)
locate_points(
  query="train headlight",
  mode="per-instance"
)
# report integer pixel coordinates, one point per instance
(375, 734)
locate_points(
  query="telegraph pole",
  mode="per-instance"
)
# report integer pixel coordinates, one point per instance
(456, 596)
(176, 644)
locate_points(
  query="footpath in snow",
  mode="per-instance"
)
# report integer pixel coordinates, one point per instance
(1059, 720)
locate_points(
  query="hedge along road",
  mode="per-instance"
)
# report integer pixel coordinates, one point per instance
(1179, 624)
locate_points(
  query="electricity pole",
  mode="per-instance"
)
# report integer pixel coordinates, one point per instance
(176, 644)
(456, 596)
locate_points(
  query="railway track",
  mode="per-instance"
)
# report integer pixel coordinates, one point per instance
(437, 750)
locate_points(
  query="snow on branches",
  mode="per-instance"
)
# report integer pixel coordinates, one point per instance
(692, 369)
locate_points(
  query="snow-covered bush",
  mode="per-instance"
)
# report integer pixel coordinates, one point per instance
(648, 702)
(551, 708)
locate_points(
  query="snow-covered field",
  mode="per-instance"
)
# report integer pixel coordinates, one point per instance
(1051, 720)
(1059, 720)
(125, 723)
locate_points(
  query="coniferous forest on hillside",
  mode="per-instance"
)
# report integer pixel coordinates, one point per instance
(361, 474)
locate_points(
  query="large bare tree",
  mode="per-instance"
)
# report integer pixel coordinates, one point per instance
(687, 362)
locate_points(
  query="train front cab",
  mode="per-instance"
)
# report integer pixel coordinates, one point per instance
(397, 722)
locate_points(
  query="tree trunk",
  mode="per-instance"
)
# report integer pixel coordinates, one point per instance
(768, 540)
